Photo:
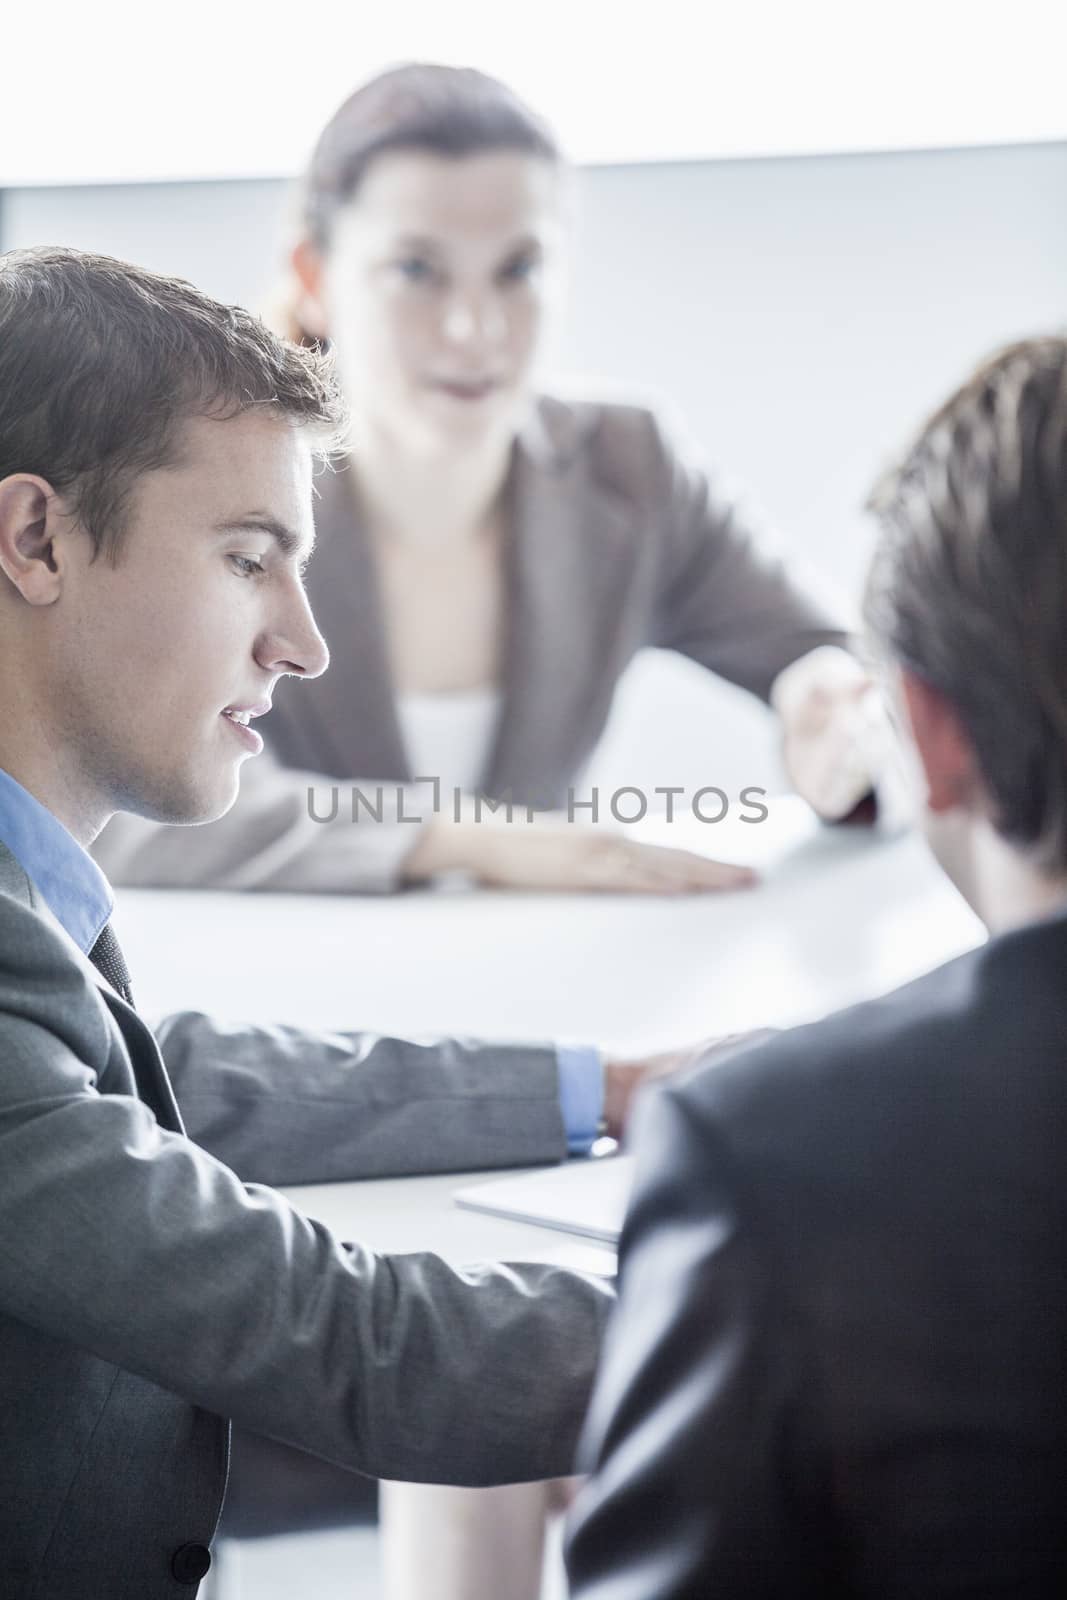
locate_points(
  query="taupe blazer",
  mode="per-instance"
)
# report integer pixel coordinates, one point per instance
(614, 544)
(149, 1292)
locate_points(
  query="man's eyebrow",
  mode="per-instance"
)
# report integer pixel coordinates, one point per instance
(289, 542)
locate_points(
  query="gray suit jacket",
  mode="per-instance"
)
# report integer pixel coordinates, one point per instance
(614, 544)
(148, 1292)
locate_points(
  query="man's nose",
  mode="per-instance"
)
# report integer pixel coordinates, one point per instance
(296, 646)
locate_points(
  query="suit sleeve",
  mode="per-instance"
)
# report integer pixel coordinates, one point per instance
(694, 1416)
(288, 1105)
(726, 599)
(274, 838)
(125, 1239)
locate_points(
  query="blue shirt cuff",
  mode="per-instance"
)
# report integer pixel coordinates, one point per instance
(581, 1095)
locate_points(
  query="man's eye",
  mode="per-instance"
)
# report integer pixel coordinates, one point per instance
(248, 566)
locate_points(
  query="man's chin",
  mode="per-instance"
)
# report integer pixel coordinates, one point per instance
(185, 806)
(212, 813)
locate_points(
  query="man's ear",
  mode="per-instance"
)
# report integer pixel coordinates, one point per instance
(29, 523)
(307, 265)
(946, 752)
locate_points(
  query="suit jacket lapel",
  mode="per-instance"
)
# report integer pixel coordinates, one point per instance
(146, 1060)
(153, 1084)
(566, 581)
(355, 710)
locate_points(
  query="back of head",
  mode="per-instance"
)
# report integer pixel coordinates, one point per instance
(100, 361)
(968, 588)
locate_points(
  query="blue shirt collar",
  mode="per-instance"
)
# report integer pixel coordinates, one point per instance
(75, 890)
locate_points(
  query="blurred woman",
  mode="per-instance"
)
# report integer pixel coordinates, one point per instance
(490, 557)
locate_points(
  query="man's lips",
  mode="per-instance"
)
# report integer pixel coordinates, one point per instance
(254, 708)
(238, 718)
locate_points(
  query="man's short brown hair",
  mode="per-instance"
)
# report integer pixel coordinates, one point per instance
(968, 588)
(100, 362)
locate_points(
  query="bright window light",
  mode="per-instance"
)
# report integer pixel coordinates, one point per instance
(120, 92)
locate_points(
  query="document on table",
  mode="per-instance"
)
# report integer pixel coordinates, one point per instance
(586, 1197)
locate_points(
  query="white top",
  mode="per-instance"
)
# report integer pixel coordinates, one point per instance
(450, 736)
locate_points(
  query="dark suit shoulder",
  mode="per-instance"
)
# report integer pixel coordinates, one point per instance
(864, 1219)
(970, 1052)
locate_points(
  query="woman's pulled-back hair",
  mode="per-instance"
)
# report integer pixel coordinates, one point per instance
(449, 111)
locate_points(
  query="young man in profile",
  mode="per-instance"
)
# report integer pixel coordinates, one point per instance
(840, 1361)
(156, 455)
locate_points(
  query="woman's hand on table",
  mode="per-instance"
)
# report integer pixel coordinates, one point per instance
(552, 854)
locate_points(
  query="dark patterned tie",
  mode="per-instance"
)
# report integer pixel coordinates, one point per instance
(107, 957)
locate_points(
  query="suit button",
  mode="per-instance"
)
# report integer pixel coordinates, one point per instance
(190, 1562)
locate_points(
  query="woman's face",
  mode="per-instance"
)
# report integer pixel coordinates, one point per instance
(434, 290)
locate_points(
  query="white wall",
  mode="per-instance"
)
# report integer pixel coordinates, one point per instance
(223, 236)
(799, 315)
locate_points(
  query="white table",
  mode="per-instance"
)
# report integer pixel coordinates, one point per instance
(839, 914)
